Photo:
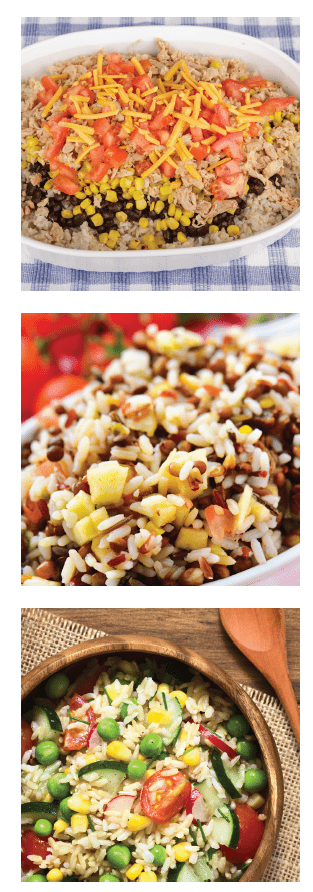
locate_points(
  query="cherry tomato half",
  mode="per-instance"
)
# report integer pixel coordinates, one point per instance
(57, 389)
(26, 737)
(77, 738)
(163, 796)
(32, 844)
(250, 835)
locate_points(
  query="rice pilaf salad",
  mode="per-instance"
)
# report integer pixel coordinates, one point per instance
(140, 152)
(138, 772)
(178, 465)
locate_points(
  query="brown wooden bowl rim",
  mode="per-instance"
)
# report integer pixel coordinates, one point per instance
(160, 646)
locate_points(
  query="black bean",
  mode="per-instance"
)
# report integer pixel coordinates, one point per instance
(76, 221)
(256, 187)
(58, 551)
(106, 213)
(169, 235)
(277, 180)
(73, 200)
(152, 214)
(54, 216)
(241, 202)
(55, 453)
(195, 231)
(133, 214)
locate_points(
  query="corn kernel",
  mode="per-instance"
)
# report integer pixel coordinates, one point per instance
(178, 213)
(103, 238)
(246, 189)
(159, 207)
(164, 689)
(121, 217)
(185, 220)
(79, 823)
(111, 243)
(192, 758)
(215, 64)
(164, 225)
(118, 750)
(94, 189)
(181, 696)
(181, 237)
(137, 194)
(245, 429)
(60, 826)
(134, 871)
(165, 190)
(172, 224)
(141, 204)
(79, 195)
(67, 214)
(170, 198)
(87, 165)
(76, 210)
(126, 182)
(135, 245)
(129, 204)
(152, 206)
(90, 210)
(150, 772)
(171, 210)
(111, 196)
(114, 182)
(31, 141)
(87, 190)
(143, 222)
(79, 804)
(213, 229)
(90, 759)
(48, 185)
(67, 770)
(266, 402)
(277, 117)
(48, 797)
(97, 220)
(256, 801)
(268, 138)
(138, 822)
(114, 233)
(180, 852)
(267, 127)
(54, 876)
(103, 188)
(158, 225)
(148, 876)
(165, 178)
(23, 164)
(159, 715)
(233, 230)
(139, 182)
(85, 204)
(295, 119)
(182, 736)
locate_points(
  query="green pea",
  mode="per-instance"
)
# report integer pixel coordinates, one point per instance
(124, 707)
(46, 752)
(255, 780)
(108, 878)
(246, 748)
(151, 745)
(136, 769)
(43, 827)
(118, 856)
(57, 686)
(238, 726)
(65, 810)
(108, 729)
(159, 855)
(37, 878)
(58, 786)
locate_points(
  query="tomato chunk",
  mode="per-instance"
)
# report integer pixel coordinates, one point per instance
(199, 152)
(76, 738)
(142, 144)
(220, 521)
(26, 737)
(250, 835)
(32, 844)
(171, 796)
(231, 144)
(277, 104)
(65, 184)
(234, 89)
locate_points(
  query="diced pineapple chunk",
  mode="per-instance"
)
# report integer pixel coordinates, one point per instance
(157, 531)
(99, 552)
(182, 512)
(81, 504)
(190, 539)
(160, 510)
(191, 381)
(261, 512)
(106, 481)
(158, 388)
(84, 530)
(98, 516)
(181, 487)
(224, 558)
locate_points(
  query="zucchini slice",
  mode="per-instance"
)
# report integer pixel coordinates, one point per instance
(34, 811)
(48, 722)
(171, 731)
(114, 772)
(202, 870)
(222, 775)
(184, 873)
(210, 796)
(226, 827)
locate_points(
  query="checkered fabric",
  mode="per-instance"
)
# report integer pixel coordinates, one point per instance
(276, 268)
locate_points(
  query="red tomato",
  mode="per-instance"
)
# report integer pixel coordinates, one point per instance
(253, 130)
(168, 169)
(57, 389)
(36, 512)
(142, 83)
(142, 144)
(131, 322)
(232, 144)
(26, 737)
(87, 685)
(65, 184)
(57, 144)
(277, 104)
(49, 89)
(199, 152)
(250, 835)
(67, 352)
(100, 126)
(170, 798)
(43, 324)
(141, 166)
(36, 369)
(229, 169)
(161, 121)
(32, 844)
(77, 738)
(255, 81)
(219, 520)
(223, 189)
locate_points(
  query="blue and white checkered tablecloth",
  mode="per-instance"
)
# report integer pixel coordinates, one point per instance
(276, 268)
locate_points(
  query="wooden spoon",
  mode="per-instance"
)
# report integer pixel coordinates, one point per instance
(260, 634)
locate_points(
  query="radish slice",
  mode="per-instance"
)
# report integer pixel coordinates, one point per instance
(120, 803)
(197, 808)
(93, 739)
(220, 744)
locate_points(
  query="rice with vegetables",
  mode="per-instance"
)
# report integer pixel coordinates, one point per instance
(140, 772)
(142, 152)
(180, 464)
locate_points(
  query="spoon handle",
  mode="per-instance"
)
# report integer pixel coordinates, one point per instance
(283, 687)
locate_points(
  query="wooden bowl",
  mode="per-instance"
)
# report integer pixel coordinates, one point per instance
(73, 659)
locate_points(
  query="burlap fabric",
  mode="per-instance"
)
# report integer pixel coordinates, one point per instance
(44, 634)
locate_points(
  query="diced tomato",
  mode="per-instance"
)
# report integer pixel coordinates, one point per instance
(229, 169)
(35, 512)
(65, 184)
(143, 165)
(142, 83)
(253, 130)
(161, 121)
(145, 64)
(114, 58)
(49, 467)
(199, 152)
(101, 127)
(108, 138)
(174, 791)
(128, 68)
(64, 169)
(163, 136)
(222, 189)
(220, 521)
(235, 89)
(141, 143)
(76, 738)
(277, 104)
(196, 133)
(49, 89)
(59, 116)
(80, 90)
(113, 157)
(212, 389)
(168, 169)
(97, 154)
(231, 144)
(256, 81)
(88, 685)
(57, 144)
(221, 116)
(250, 835)
(26, 737)
(32, 844)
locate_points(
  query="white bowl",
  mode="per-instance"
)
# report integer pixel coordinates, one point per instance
(283, 569)
(259, 56)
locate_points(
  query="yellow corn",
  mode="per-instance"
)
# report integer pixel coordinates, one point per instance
(90, 759)
(180, 696)
(233, 230)
(181, 237)
(85, 204)
(67, 214)
(97, 220)
(267, 127)
(172, 224)
(159, 207)
(23, 164)
(148, 876)
(60, 826)
(266, 402)
(277, 117)
(268, 138)
(137, 194)
(48, 797)
(110, 688)
(137, 822)
(111, 195)
(159, 715)
(141, 204)
(117, 750)
(103, 238)
(48, 185)
(79, 195)
(164, 689)
(245, 429)
(143, 222)
(213, 229)
(192, 758)
(94, 188)
(150, 772)
(76, 210)
(121, 216)
(170, 198)
(180, 852)
(135, 245)
(77, 803)
(165, 190)
(182, 736)
(185, 220)
(80, 823)
(256, 801)
(54, 876)
(67, 770)
(90, 210)
(87, 190)
(215, 64)
(114, 183)
(134, 871)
